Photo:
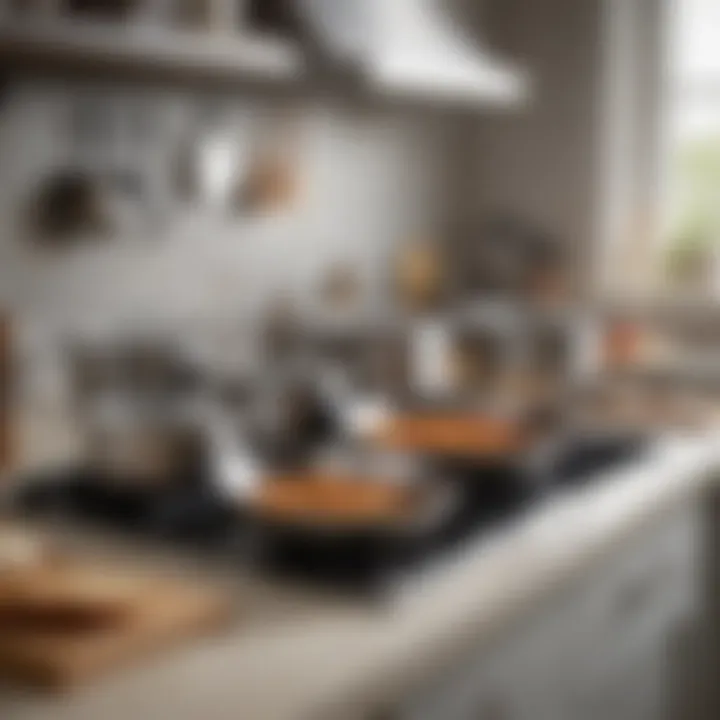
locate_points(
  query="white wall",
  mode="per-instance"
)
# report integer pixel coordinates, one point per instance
(369, 180)
(543, 164)
(582, 162)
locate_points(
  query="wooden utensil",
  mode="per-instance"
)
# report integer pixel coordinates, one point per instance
(273, 180)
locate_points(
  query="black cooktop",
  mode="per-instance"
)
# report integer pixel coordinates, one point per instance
(193, 514)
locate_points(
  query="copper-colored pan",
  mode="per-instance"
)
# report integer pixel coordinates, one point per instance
(348, 504)
(454, 435)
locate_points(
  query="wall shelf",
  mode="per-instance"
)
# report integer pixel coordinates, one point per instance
(140, 51)
(149, 52)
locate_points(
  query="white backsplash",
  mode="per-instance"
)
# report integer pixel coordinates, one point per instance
(370, 179)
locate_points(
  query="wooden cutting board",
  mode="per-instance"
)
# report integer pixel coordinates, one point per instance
(155, 613)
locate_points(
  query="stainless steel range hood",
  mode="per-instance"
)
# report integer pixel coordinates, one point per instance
(413, 49)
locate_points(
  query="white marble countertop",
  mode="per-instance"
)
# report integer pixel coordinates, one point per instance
(294, 656)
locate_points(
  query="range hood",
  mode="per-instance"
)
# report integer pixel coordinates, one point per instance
(413, 49)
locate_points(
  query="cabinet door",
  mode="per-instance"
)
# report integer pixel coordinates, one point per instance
(638, 688)
(597, 653)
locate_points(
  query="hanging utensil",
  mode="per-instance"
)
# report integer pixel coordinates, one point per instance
(212, 158)
(272, 182)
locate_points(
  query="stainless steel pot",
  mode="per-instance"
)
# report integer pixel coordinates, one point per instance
(127, 446)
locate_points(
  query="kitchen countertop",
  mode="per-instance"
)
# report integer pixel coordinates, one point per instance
(294, 654)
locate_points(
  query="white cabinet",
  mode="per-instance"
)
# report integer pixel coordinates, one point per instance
(600, 652)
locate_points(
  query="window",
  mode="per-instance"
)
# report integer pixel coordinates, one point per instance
(692, 240)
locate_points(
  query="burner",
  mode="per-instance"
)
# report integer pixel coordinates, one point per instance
(187, 512)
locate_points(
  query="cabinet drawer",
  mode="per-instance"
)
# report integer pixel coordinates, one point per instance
(639, 688)
(657, 579)
(629, 600)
